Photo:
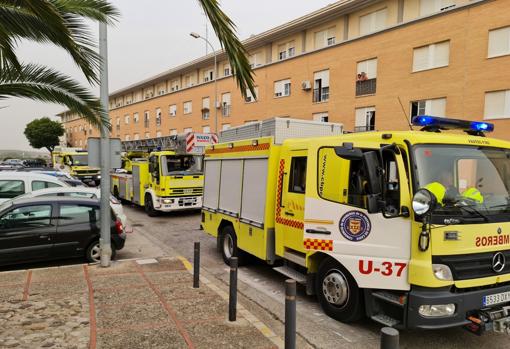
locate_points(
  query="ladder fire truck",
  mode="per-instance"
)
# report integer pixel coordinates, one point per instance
(168, 176)
(409, 228)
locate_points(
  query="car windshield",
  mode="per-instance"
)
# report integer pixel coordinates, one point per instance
(466, 180)
(79, 160)
(181, 164)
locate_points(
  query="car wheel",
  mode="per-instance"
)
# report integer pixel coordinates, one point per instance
(338, 293)
(149, 206)
(228, 245)
(93, 253)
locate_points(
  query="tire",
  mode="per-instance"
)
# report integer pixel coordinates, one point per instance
(92, 252)
(338, 293)
(228, 246)
(116, 193)
(149, 206)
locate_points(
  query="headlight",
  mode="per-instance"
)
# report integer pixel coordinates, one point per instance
(98, 176)
(442, 272)
(423, 202)
(168, 201)
(437, 310)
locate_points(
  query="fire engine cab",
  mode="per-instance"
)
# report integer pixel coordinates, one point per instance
(409, 228)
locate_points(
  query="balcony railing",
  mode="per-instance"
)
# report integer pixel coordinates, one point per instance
(225, 110)
(364, 128)
(321, 94)
(366, 87)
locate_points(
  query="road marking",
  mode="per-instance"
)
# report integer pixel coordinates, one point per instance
(187, 264)
(146, 261)
(342, 336)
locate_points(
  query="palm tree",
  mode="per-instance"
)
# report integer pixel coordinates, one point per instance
(62, 23)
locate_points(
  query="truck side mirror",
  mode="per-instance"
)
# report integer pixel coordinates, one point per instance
(371, 165)
(347, 152)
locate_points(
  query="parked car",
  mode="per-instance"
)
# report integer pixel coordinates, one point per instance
(13, 184)
(63, 176)
(80, 192)
(14, 162)
(46, 228)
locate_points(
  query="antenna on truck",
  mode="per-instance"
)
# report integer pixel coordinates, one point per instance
(408, 122)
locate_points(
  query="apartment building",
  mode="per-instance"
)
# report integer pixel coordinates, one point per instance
(370, 65)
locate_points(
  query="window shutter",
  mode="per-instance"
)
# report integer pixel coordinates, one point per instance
(331, 32)
(205, 103)
(365, 23)
(361, 117)
(499, 42)
(225, 98)
(324, 76)
(427, 7)
(371, 68)
(421, 58)
(320, 39)
(497, 104)
(441, 54)
(435, 107)
(380, 19)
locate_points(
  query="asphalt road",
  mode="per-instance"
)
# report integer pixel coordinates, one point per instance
(263, 289)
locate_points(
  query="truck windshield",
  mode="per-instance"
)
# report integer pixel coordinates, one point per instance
(181, 164)
(468, 181)
(79, 160)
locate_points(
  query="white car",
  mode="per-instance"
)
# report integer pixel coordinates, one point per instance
(13, 184)
(84, 192)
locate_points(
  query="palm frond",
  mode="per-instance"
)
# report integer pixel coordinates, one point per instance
(47, 85)
(236, 53)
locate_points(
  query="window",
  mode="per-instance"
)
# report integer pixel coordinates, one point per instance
(297, 179)
(172, 110)
(208, 75)
(173, 132)
(325, 37)
(135, 118)
(146, 119)
(249, 96)
(435, 107)
(282, 88)
(188, 129)
(226, 69)
(497, 105)
(205, 108)
(117, 125)
(126, 119)
(255, 59)
(187, 107)
(206, 129)
(226, 105)
(158, 117)
(286, 50)
(127, 138)
(136, 137)
(365, 119)
(373, 22)
(321, 86)
(174, 85)
(27, 217)
(499, 42)
(366, 77)
(322, 117)
(428, 7)
(329, 165)
(77, 214)
(11, 188)
(431, 56)
(37, 185)
(158, 134)
(225, 127)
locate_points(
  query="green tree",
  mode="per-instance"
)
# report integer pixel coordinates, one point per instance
(62, 23)
(44, 133)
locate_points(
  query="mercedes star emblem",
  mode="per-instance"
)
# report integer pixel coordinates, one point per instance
(498, 262)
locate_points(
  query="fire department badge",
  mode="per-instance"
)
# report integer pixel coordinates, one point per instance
(355, 226)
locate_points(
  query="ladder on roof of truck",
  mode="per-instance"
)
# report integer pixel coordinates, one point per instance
(281, 129)
(189, 143)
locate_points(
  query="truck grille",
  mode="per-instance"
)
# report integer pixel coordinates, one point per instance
(187, 191)
(472, 266)
(86, 172)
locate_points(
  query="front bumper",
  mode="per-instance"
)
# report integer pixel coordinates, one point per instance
(89, 179)
(178, 203)
(467, 303)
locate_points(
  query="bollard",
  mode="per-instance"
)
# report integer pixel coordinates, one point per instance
(232, 299)
(389, 338)
(196, 265)
(290, 314)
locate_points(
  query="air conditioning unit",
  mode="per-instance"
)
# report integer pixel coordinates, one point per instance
(306, 85)
(218, 104)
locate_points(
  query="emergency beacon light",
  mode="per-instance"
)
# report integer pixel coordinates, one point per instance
(435, 123)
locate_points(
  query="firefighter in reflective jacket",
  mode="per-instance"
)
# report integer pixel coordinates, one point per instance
(446, 193)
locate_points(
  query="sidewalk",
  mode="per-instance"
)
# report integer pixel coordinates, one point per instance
(133, 304)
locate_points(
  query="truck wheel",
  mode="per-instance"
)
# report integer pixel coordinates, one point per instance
(149, 206)
(116, 193)
(93, 252)
(228, 245)
(338, 292)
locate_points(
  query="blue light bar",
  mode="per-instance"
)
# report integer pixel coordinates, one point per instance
(434, 123)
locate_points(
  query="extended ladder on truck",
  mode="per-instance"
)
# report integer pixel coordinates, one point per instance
(189, 143)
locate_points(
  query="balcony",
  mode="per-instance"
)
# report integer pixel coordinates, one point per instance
(364, 128)
(321, 94)
(366, 87)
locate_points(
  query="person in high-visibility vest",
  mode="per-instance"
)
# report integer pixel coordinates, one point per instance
(445, 192)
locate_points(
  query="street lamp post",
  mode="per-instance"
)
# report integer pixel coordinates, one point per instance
(197, 36)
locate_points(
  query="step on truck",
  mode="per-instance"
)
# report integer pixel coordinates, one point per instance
(74, 161)
(409, 228)
(163, 174)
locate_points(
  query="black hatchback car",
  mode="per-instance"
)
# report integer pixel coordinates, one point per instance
(36, 229)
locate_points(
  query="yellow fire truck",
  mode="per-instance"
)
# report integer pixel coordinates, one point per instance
(168, 178)
(75, 162)
(409, 228)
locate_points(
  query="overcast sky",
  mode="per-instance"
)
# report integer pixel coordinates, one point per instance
(151, 36)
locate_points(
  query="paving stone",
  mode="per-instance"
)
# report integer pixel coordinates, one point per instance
(124, 296)
(145, 313)
(163, 264)
(160, 338)
(185, 290)
(13, 277)
(170, 277)
(195, 309)
(120, 281)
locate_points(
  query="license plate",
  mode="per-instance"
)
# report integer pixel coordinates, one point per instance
(496, 298)
(87, 177)
(188, 201)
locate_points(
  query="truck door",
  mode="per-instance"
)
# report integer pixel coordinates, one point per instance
(291, 206)
(374, 249)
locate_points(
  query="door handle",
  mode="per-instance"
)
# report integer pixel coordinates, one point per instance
(317, 231)
(289, 213)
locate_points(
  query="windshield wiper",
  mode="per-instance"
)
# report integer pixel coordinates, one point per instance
(470, 209)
